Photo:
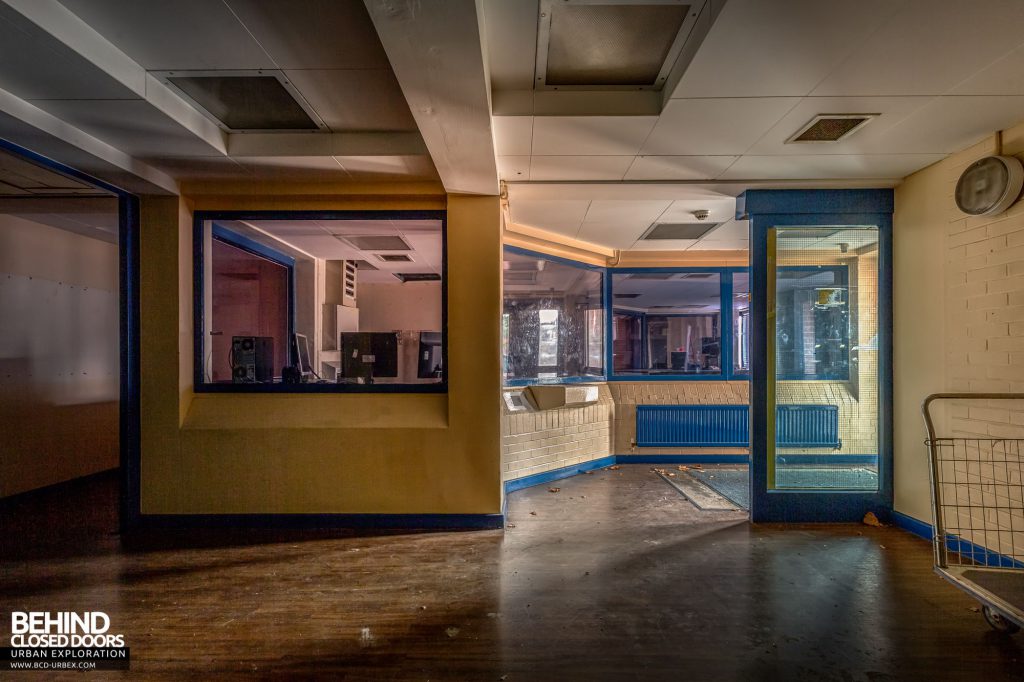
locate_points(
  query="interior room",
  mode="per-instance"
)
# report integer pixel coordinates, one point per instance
(512, 339)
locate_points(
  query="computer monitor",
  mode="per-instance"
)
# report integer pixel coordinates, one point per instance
(300, 345)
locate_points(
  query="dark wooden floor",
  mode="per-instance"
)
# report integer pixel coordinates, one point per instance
(615, 577)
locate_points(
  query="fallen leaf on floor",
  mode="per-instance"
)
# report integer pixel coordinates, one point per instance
(452, 632)
(682, 467)
(533, 513)
(589, 473)
(698, 466)
(614, 467)
(510, 525)
(871, 520)
(974, 608)
(671, 474)
(882, 546)
(554, 490)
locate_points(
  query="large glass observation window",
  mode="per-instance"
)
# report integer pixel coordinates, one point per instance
(667, 323)
(320, 301)
(553, 319)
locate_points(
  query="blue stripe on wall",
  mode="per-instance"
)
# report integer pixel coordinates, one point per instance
(556, 474)
(966, 549)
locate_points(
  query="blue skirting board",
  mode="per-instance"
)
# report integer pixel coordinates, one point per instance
(967, 549)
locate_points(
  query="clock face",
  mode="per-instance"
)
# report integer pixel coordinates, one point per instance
(984, 186)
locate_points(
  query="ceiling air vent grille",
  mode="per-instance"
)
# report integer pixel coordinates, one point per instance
(612, 44)
(678, 230)
(376, 242)
(241, 101)
(520, 277)
(831, 127)
(418, 276)
(393, 257)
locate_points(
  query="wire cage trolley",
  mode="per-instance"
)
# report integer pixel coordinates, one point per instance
(978, 506)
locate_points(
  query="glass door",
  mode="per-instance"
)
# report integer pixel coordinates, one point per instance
(821, 388)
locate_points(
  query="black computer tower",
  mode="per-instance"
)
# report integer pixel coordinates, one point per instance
(252, 359)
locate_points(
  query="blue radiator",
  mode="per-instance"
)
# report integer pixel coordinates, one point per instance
(728, 426)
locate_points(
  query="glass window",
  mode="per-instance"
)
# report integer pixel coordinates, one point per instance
(667, 323)
(741, 323)
(552, 325)
(336, 302)
(812, 323)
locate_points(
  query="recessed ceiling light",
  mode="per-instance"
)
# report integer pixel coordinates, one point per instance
(830, 127)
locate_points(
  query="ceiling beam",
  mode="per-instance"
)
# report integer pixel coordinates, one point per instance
(326, 144)
(436, 51)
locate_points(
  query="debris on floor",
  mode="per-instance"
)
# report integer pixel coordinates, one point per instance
(614, 467)
(871, 520)
(533, 513)
(554, 490)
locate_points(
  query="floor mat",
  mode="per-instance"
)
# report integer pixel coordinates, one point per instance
(733, 482)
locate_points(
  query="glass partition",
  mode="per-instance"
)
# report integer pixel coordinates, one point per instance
(741, 323)
(553, 319)
(667, 323)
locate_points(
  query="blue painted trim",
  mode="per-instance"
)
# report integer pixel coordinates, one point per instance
(912, 525)
(667, 377)
(130, 424)
(519, 251)
(240, 241)
(682, 459)
(200, 385)
(770, 208)
(324, 521)
(967, 549)
(557, 474)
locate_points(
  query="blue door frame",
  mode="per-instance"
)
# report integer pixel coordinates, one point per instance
(766, 209)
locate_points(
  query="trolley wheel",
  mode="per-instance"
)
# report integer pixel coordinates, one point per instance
(997, 621)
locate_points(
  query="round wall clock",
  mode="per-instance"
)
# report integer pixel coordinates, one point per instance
(989, 185)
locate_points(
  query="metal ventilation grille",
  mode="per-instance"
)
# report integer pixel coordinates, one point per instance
(520, 277)
(365, 265)
(393, 257)
(418, 276)
(831, 127)
(245, 102)
(377, 242)
(611, 43)
(678, 230)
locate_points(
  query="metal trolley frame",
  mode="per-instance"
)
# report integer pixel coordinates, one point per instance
(978, 512)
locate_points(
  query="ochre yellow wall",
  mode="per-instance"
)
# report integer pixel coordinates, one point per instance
(368, 453)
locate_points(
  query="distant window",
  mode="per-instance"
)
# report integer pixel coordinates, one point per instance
(741, 322)
(667, 323)
(552, 323)
(324, 302)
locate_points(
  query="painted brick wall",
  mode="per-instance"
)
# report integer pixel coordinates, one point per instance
(534, 442)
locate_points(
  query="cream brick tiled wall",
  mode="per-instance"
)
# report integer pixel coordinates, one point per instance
(534, 442)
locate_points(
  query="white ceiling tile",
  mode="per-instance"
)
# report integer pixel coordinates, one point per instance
(678, 167)
(892, 109)
(590, 135)
(615, 235)
(626, 211)
(135, 127)
(37, 66)
(663, 244)
(199, 168)
(928, 47)
(720, 209)
(720, 245)
(184, 34)
(828, 166)
(351, 100)
(538, 212)
(314, 34)
(1005, 76)
(371, 168)
(579, 167)
(731, 229)
(514, 168)
(513, 135)
(758, 48)
(948, 124)
(714, 126)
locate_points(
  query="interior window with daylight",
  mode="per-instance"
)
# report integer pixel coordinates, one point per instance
(667, 323)
(325, 304)
(553, 320)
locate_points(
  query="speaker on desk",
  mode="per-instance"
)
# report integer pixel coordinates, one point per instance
(252, 359)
